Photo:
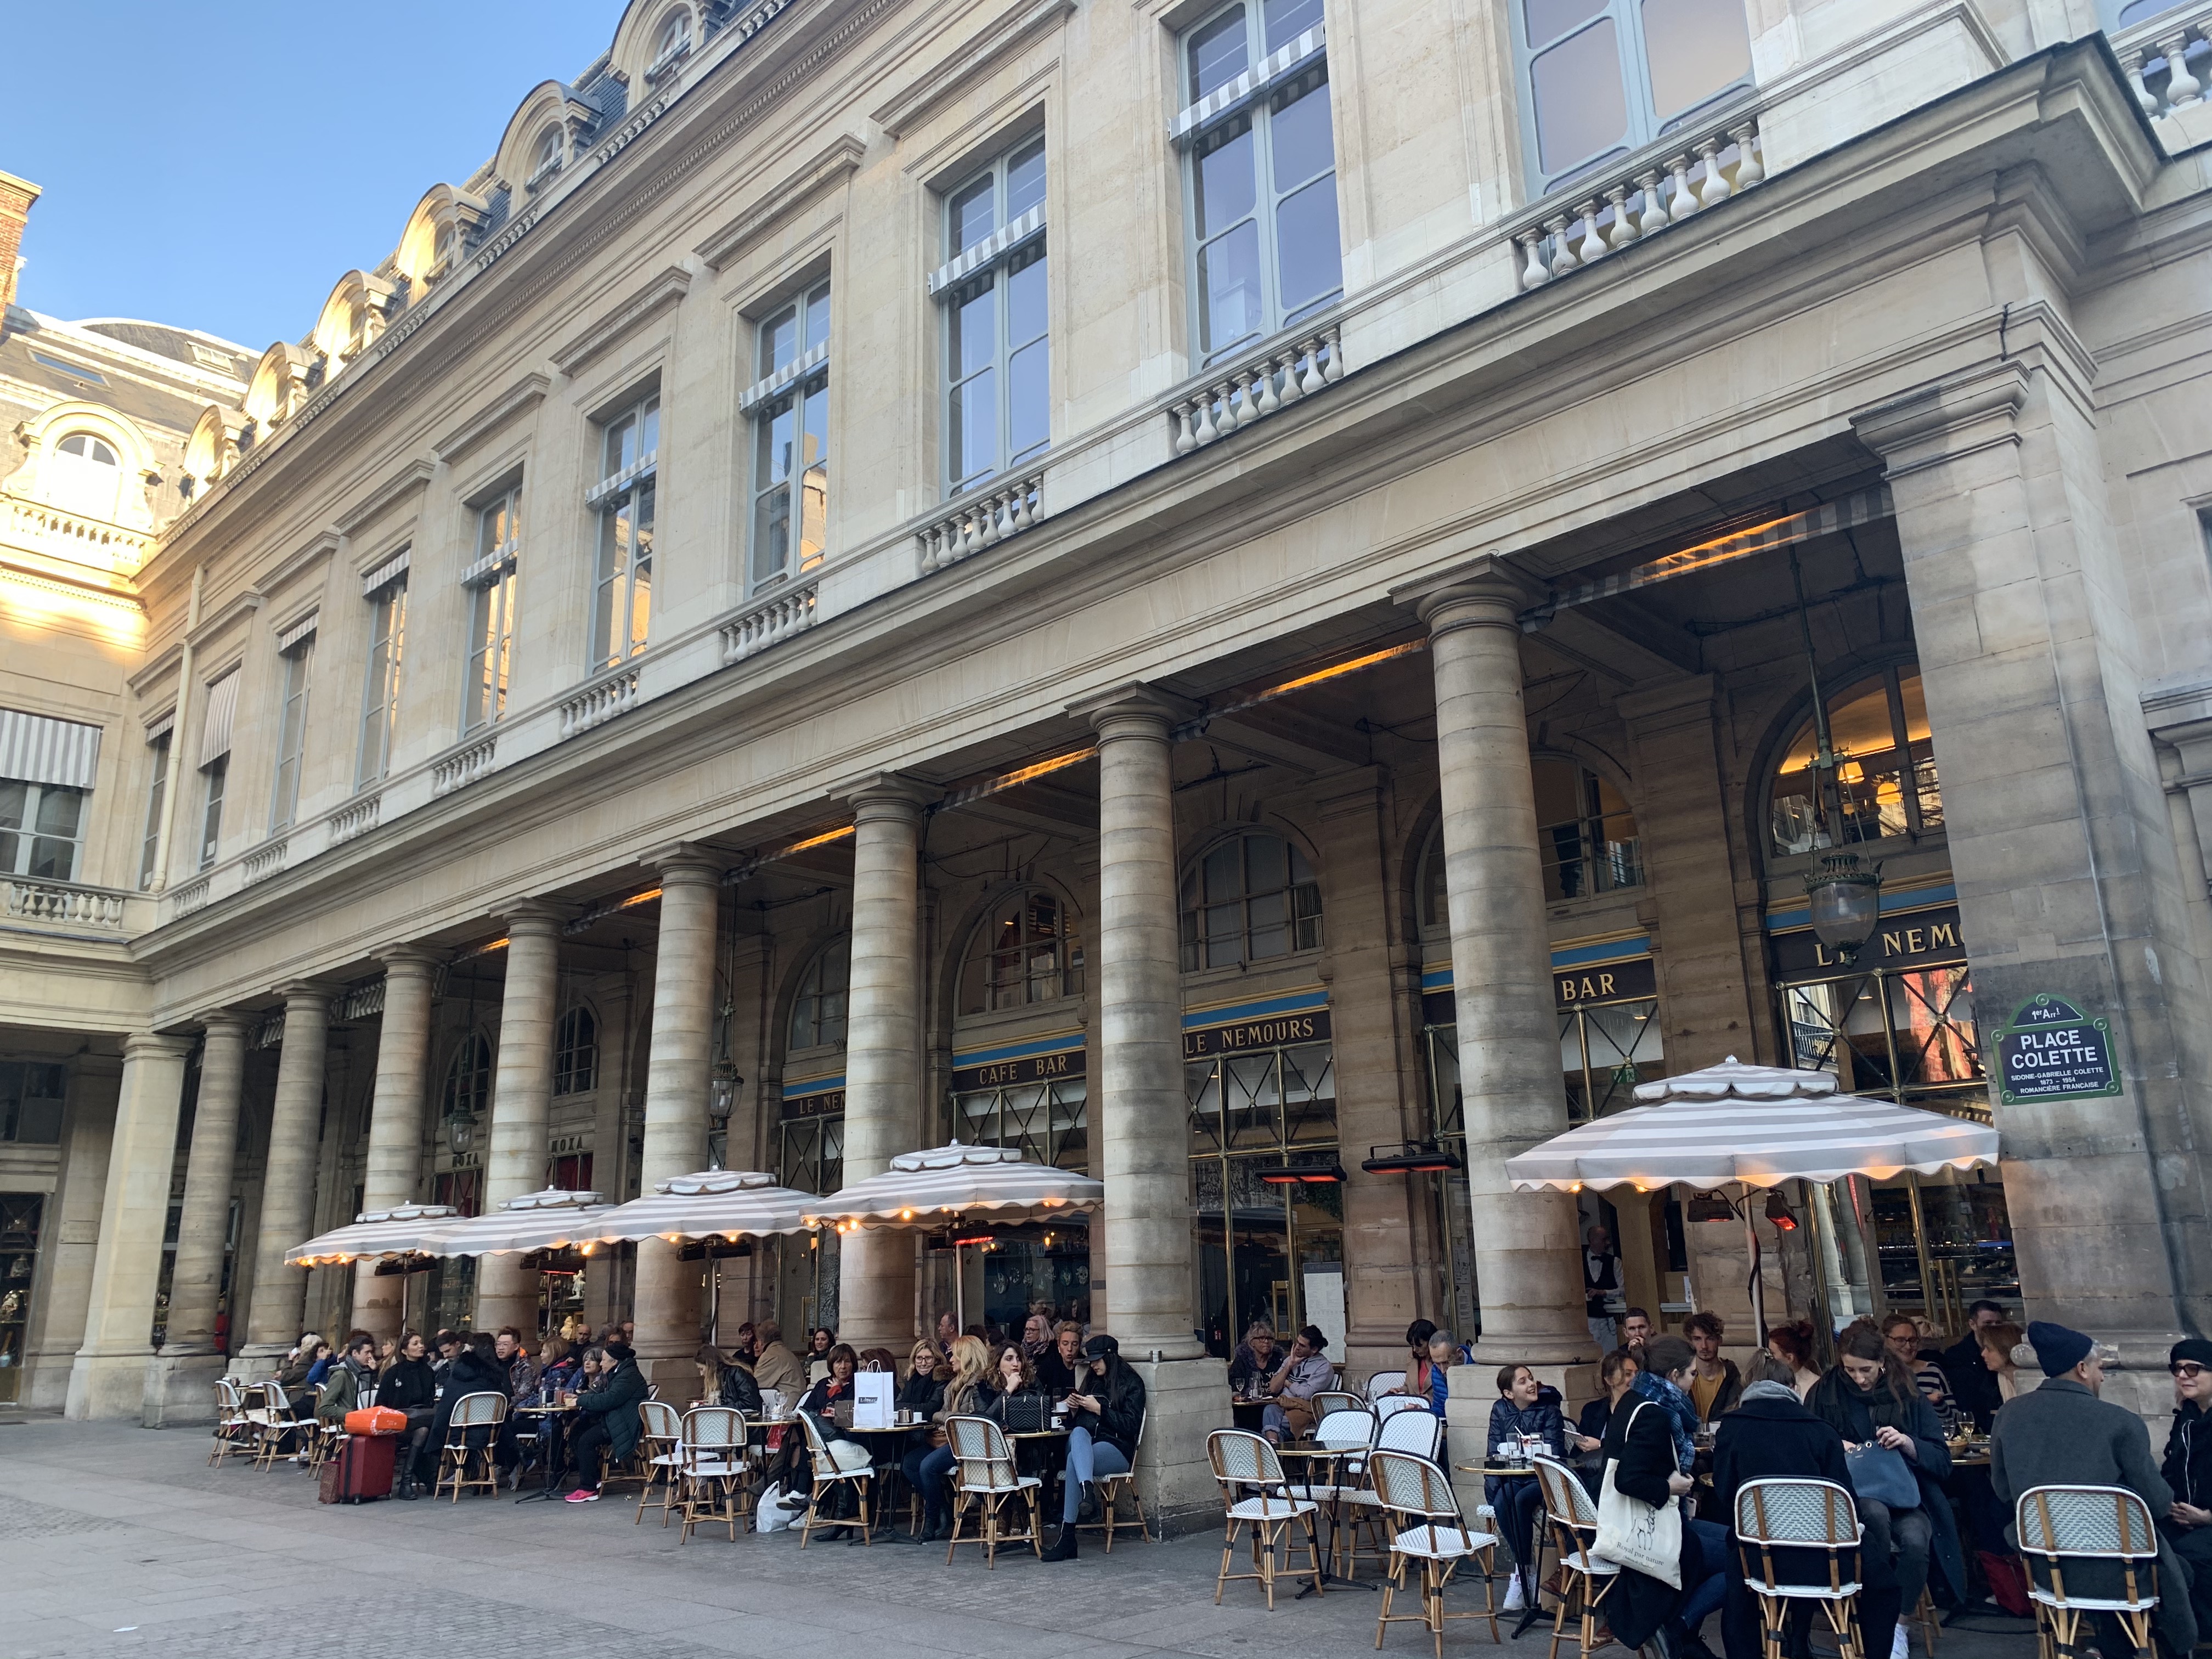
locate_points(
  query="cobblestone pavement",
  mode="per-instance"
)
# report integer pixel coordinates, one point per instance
(115, 1540)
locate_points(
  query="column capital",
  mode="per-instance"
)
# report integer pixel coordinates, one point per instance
(1135, 709)
(1486, 592)
(409, 960)
(683, 863)
(1948, 419)
(234, 1021)
(534, 917)
(305, 993)
(889, 795)
(150, 1045)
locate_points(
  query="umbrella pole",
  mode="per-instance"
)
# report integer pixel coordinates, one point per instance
(1758, 1278)
(959, 1289)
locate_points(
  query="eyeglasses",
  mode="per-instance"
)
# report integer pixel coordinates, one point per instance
(2186, 1369)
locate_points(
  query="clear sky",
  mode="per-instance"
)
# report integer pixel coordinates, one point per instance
(220, 167)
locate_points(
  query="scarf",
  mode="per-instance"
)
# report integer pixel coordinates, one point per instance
(1856, 1413)
(1681, 1414)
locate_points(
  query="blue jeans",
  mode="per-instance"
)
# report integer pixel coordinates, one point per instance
(1704, 1583)
(925, 1471)
(1087, 1460)
(1519, 1501)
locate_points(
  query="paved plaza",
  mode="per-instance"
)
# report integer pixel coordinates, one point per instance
(116, 1541)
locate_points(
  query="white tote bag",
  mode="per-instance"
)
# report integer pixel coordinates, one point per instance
(1631, 1532)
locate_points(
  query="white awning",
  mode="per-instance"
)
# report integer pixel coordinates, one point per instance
(221, 708)
(927, 1189)
(402, 1230)
(302, 630)
(161, 724)
(36, 750)
(384, 574)
(551, 1220)
(712, 1204)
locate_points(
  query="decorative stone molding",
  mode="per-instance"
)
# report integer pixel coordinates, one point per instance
(356, 818)
(265, 861)
(39, 528)
(414, 475)
(969, 63)
(1257, 387)
(599, 702)
(640, 308)
(61, 902)
(463, 767)
(829, 167)
(979, 518)
(191, 896)
(518, 399)
(771, 620)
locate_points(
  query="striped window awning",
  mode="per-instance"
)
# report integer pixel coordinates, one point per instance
(161, 724)
(298, 632)
(1249, 87)
(221, 710)
(383, 576)
(988, 251)
(35, 749)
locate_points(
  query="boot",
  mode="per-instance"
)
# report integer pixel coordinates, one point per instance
(1088, 1508)
(403, 1485)
(1063, 1547)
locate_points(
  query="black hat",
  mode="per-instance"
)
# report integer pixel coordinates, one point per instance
(1101, 1346)
(2195, 1349)
(2058, 1350)
(617, 1351)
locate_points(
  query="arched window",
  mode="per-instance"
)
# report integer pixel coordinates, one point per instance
(443, 249)
(1252, 897)
(1027, 952)
(576, 1053)
(86, 475)
(547, 161)
(817, 1015)
(673, 40)
(1584, 832)
(468, 1078)
(1883, 782)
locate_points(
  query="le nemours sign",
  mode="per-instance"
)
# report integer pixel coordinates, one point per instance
(2050, 1050)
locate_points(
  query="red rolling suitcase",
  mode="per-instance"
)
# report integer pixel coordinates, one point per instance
(359, 1471)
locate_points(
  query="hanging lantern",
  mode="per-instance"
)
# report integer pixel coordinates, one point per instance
(1845, 891)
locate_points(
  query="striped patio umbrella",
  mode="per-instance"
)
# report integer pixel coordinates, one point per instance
(403, 1230)
(549, 1220)
(929, 1190)
(712, 1204)
(1756, 1125)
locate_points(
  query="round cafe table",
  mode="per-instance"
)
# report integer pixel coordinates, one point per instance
(552, 1446)
(896, 1434)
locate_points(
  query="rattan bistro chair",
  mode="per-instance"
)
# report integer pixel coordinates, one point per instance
(1391, 1404)
(1326, 1401)
(1585, 1576)
(234, 1427)
(1417, 1434)
(2059, 1527)
(715, 1471)
(472, 1435)
(658, 1460)
(984, 1471)
(1426, 1526)
(1803, 1514)
(280, 1424)
(1381, 1384)
(1255, 1494)
(1112, 1488)
(829, 1475)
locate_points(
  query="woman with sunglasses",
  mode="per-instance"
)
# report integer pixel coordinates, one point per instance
(2188, 1469)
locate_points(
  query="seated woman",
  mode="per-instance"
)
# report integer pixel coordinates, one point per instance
(922, 1395)
(821, 1402)
(351, 1383)
(1417, 1359)
(1110, 1418)
(1256, 1358)
(557, 1368)
(1527, 1412)
(1616, 1374)
(964, 1393)
(1792, 1344)
(410, 1386)
(1640, 1445)
(1062, 1364)
(1998, 1341)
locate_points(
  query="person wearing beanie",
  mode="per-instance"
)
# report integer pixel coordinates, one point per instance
(1768, 1434)
(1108, 1405)
(2187, 1524)
(2063, 1435)
(610, 1421)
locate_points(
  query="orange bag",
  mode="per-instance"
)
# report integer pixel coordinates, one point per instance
(376, 1420)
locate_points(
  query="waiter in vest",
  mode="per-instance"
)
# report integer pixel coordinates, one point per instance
(1600, 1281)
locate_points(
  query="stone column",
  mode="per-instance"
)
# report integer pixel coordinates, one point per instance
(69, 1232)
(108, 1378)
(2060, 843)
(882, 1052)
(677, 1068)
(287, 1182)
(394, 1175)
(1139, 1114)
(180, 1382)
(521, 1103)
(1528, 1269)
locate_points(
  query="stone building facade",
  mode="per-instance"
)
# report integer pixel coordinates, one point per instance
(1224, 593)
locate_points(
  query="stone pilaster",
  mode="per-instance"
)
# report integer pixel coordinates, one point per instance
(1140, 1117)
(1526, 1252)
(61, 1291)
(521, 1103)
(393, 1171)
(287, 1182)
(676, 1071)
(108, 1378)
(882, 1052)
(180, 1382)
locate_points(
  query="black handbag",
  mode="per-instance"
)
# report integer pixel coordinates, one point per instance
(1023, 1413)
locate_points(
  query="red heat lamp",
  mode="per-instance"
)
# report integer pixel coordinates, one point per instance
(1778, 1212)
(1411, 1157)
(1321, 1173)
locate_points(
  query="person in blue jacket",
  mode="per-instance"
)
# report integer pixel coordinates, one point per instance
(1528, 1412)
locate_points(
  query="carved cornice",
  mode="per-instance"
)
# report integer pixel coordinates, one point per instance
(519, 398)
(640, 308)
(828, 168)
(976, 56)
(313, 553)
(414, 475)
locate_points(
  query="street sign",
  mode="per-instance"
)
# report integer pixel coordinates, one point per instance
(2050, 1050)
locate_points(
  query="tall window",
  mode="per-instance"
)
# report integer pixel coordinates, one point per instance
(1585, 832)
(790, 410)
(491, 608)
(817, 1014)
(1883, 782)
(157, 796)
(1265, 249)
(32, 1095)
(468, 1078)
(215, 778)
(552, 150)
(379, 705)
(576, 1053)
(1602, 77)
(85, 478)
(41, 829)
(1028, 952)
(630, 453)
(291, 733)
(1253, 896)
(997, 357)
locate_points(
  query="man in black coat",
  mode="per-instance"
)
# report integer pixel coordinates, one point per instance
(1973, 1384)
(610, 1422)
(1769, 1433)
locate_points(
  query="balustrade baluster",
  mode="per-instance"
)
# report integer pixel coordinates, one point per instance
(1624, 228)
(1535, 273)
(1022, 519)
(1591, 248)
(1334, 339)
(1749, 168)
(1185, 438)
(2144, 96)
(1653, 219)
(1716, 188)
(1684, 202)
(1265, 379)
(1563, 251)
(1288, 363)
(2182, 88)
(1205, 432)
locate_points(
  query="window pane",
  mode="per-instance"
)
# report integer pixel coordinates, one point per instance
(648, 429)
(975, 427)
(1306, 252)
(814, 482)
(772, 535)
(57, 811)
(1289, 19)
(622, 438)
(1695, 48)
(1224, 879)
(1299, 132)
(1265, 863)
(1024, 181)
(1548, 20)
(777, 433)
(1026, 319)
(1217, 54)
(1580, 107)
(779, 341)
(974, 333)
(817, 317)
(53, 860)
(1029, 414)
(1224, 183)
(13, 799)
(973, 217)
(814, 432)
(1228, 281)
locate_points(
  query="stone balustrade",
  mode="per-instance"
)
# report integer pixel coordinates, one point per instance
(265, 861)
(73, 535)
(2168, 59)
(1639, 201)
(192, 895)
(599, 702)
(356, 817)
(61, 904)
(771, 620)
(1257, 387)
(468, 764)
(979, 518)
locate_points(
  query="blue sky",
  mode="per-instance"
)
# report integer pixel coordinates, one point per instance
(220, 166)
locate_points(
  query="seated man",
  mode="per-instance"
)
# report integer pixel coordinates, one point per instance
(1291, 1388)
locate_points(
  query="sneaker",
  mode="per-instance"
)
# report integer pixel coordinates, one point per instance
(583, 1495)
(1513, 1602)
(1898, 1645)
